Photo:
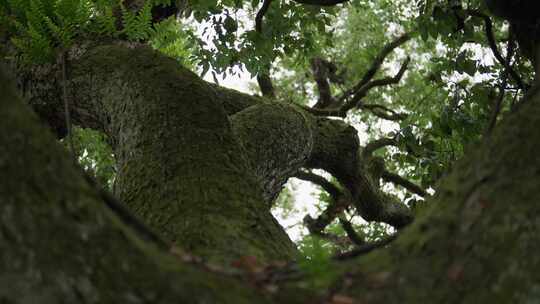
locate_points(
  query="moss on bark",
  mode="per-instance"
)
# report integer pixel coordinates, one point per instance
(476, 243)
(60, 244)
(181, 171)
(278, 141)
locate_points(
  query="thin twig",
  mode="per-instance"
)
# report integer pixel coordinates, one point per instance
(376, 64)
(364, 89)
(67, 115)
(493, 46)
(361, 93)
(383, 112)
(364, 249)
(502, 90)
(496, 107)
(401, 181)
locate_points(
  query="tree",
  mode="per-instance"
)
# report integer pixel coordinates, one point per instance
(199, 167)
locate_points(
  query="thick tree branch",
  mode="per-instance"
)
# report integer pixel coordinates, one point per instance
(60, 242)
(118, 208)
(191, 133)
(336, 150)
(351, 233)
(321, 181)
(71, 241)
(377, 144)
(277, 139)
(266, 86)
(493, 187)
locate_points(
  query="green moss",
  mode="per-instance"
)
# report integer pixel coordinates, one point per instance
(59, 243)
(181, 170)
(277, 139)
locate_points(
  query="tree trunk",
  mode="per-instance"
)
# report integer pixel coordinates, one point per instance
(180, 169)
(199, 164)
(60, 244)
(476, 242)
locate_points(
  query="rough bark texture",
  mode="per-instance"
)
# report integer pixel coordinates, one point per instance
(337, 150)
(201, 164)
(180, 169)
(278, 140)
(59, 244)
(477, 241)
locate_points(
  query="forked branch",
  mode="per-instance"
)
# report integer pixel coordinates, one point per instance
(355, 100)
(364, 89)
(488, 24)
(376, 64)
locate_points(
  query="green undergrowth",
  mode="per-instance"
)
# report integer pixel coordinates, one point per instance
(40, 30)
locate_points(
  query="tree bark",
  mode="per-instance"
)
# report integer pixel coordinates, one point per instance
(475, 243)
(180, 168)
(200, 164)
(60, 244)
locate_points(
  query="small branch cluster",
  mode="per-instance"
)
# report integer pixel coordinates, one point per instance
(386, 175)
(329, 105)
(341, 200)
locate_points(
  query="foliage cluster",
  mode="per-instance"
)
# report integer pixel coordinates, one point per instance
(230, 39)
(447, 91)
(43, 29)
